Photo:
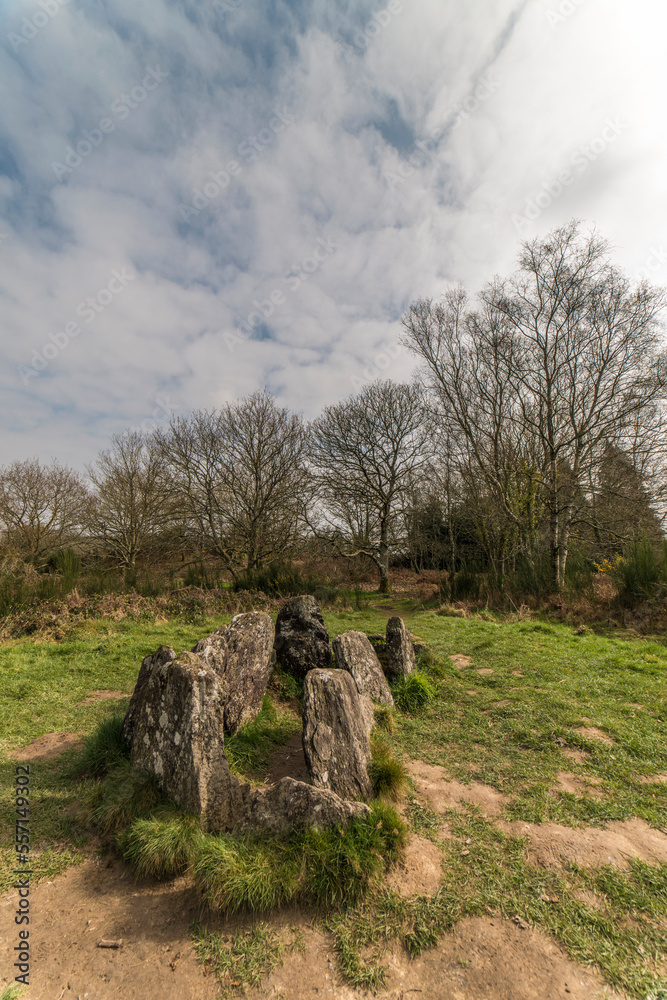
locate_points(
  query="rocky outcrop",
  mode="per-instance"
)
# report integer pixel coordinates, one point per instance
(354, 653)
(399, 650)
(177, 735)
(163, 654)
(302, 641)
(242, 656)
(335, 734)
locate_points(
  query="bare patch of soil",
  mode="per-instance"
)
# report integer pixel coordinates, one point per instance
(593, 733)
(47, 746)
(485, 672)
(94, 902)
(578, 756)
(471, 693)
(420, 871)
(517, 673)
(481, 959)
(549, 844)
(433, 784)
(654, 779)
(460, 661)
(100, 695)
(578, 784)
(589, 898)
(288, 761)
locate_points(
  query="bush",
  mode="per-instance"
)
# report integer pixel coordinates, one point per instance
(641, 574)
(162, 847)
(413, 693)
(280, 579)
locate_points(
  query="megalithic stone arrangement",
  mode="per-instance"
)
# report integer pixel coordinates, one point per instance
(183, 704)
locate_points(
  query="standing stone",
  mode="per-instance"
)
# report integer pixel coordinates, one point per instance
(302, 641)
(335, 734)
(354, 653)
(242, 656)
(163, 654)
(177, 736)
(400, 651)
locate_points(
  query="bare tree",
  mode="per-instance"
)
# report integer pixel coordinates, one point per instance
(557, 362)
(41, 508)
(365, 454)
(238, 476)
(129, 506)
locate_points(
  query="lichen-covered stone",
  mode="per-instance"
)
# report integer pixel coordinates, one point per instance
(302, 641)
(163, 654)
(354, 653)
(399, 650)
(335, 733)
(177, 735)
(294, 805)
(242, 656)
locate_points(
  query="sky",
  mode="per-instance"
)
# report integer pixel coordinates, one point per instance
(202, 199)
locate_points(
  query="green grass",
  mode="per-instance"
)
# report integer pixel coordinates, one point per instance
(249, 750)
(511, 729)
(244, 957)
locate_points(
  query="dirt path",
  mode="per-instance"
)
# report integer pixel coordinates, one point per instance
(482, 959)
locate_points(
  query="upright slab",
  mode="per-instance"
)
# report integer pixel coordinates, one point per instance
(353, 652)
(242, 656)
(335, 734)
(400, 652)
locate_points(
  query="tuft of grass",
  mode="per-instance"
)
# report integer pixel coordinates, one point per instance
(385, 718)
(162, 846)
(13, 992)
(321, 867)
(388, 774)
(249, 750)
(125, 796)
(243, 959)
(104, 749)
(412, 694)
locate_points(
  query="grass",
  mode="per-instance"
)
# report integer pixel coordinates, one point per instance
(249, 750)
(242, 958)
(514, 728)
(388, 774)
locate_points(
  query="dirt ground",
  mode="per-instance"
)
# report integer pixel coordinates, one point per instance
(481, 959)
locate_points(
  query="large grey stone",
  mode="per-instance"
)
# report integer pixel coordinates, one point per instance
(302, 641)
(353, 652)
(177, 735)
(163, 654)
(335, 734)
(242, 656)
(399, 650)
(294, 805)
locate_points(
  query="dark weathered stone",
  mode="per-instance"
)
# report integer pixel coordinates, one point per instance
(302, 641)
(400, 651)
(177, 735)
(242, 656)
(335, 734)
(354, 653)
(163, 654)
(294, 805)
